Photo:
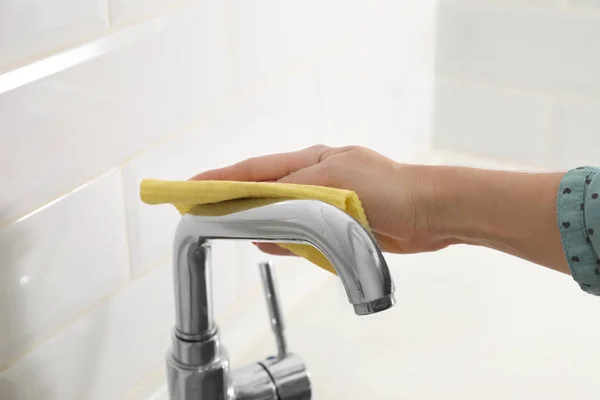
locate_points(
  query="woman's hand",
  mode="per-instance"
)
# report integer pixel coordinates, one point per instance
(394, 195)
(415, 208)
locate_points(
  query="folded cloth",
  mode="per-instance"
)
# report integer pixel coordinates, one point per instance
(220, 197)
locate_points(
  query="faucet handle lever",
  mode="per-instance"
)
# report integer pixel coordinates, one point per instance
(272, 298)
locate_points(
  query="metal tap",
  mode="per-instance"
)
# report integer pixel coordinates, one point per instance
(198, 364)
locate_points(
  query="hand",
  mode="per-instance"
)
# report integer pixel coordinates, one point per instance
(394, 196)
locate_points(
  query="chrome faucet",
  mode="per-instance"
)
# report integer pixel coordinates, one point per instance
(198, 364)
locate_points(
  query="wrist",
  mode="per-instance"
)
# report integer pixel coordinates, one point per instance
(460, 203)
(437, 202)
(514, 212)
(448, 194)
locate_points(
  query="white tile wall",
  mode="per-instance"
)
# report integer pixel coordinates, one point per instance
(378, 91)
(169, 89)
(537, 49)
(28, 28)
(270, 37)
(536, 70)
(286, 112)
(105, 353)
(493, 123)
(102, 112)
(59, 261)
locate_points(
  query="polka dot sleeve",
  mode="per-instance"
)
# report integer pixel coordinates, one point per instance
(578, 210)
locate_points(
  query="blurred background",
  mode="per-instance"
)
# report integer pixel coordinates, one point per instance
(96, 95)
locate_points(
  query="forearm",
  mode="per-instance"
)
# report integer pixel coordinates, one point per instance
(513, 212)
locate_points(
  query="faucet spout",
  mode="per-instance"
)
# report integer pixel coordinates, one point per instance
(349, 247)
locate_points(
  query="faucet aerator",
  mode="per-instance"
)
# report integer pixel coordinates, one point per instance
(375, 306)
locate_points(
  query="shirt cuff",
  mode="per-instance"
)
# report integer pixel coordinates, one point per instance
(578, 211)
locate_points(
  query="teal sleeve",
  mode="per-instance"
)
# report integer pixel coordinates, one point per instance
(578, 210)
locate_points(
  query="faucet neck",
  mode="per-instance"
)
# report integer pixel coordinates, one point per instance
(193, 288)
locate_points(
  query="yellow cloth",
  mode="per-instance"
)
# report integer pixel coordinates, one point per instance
(221, 197)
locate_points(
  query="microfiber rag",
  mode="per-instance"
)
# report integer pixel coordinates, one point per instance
(217, 197)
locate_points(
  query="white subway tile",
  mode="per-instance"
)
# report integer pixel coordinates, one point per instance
(66, 128)
(60, 260)
(486, 122)
(36, 27)
(284, 117)
(104, 354)
(122, 11)
(578, 134)
(378, 91)
(271, 37)
(528, 48)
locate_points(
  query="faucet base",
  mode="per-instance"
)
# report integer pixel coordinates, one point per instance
(276, 378)
(198, 370)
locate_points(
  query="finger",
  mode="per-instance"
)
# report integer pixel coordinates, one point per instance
(270, 167)
(273, 249)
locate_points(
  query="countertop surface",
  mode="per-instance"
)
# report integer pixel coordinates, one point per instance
(469, 323)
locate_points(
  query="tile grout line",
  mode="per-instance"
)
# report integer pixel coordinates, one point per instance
(126, 225)
(562, 6)
(457, 79)
(109, 13)
(56, 199)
